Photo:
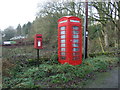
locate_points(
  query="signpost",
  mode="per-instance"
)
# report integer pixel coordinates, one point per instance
(86, 29)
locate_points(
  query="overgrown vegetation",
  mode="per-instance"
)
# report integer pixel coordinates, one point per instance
(21, 69)
(55, 75)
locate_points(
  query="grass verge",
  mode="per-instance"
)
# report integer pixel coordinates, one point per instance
(56, 75)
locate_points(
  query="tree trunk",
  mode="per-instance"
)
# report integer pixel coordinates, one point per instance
(105, 35)
(106, 39)
(115, 40)
(101, 45)
(100, 41)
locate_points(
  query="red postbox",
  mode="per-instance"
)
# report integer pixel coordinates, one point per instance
(38, 41)
(70, 40)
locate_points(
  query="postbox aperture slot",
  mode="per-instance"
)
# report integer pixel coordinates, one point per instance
(39, 36)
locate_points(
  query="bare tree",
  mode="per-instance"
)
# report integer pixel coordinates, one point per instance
(107, 12)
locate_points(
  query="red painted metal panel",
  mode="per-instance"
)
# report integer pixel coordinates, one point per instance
(70, 40)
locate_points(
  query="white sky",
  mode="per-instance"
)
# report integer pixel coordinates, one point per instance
(14, 12)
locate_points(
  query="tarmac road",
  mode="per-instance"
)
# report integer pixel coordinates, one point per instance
(107, 79)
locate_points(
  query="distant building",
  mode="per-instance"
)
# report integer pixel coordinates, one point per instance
(18, 37)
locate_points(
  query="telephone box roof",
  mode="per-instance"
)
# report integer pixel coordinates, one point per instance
(68, 17)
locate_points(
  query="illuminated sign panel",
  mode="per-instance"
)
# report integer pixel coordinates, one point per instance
(63, 21)
(74, 21)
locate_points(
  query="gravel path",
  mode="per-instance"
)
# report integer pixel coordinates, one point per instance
(105, 80)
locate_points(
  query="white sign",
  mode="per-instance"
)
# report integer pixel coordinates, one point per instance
(63, 21)
(39, 43)
(75, 21)
(86, 33)
(7, 42)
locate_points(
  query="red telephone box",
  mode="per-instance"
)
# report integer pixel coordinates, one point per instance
(70, 40)
(38, 41)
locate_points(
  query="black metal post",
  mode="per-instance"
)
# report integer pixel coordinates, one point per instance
(86, 29)
(38, 55)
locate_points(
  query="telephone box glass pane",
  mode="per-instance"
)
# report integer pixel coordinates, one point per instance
(75, 40)
(76, 58)
(75, 45)
(76, 53)
(62, 41)
(62, 32)
(75, 32)
(62, 36)
(62, 28)
(75, 49)
(62, 53)
(75, 36)
(62, 45)
(63, 57)
(75, 27)
(62, 49)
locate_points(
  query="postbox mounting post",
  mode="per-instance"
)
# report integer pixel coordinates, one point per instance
(38, 54)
